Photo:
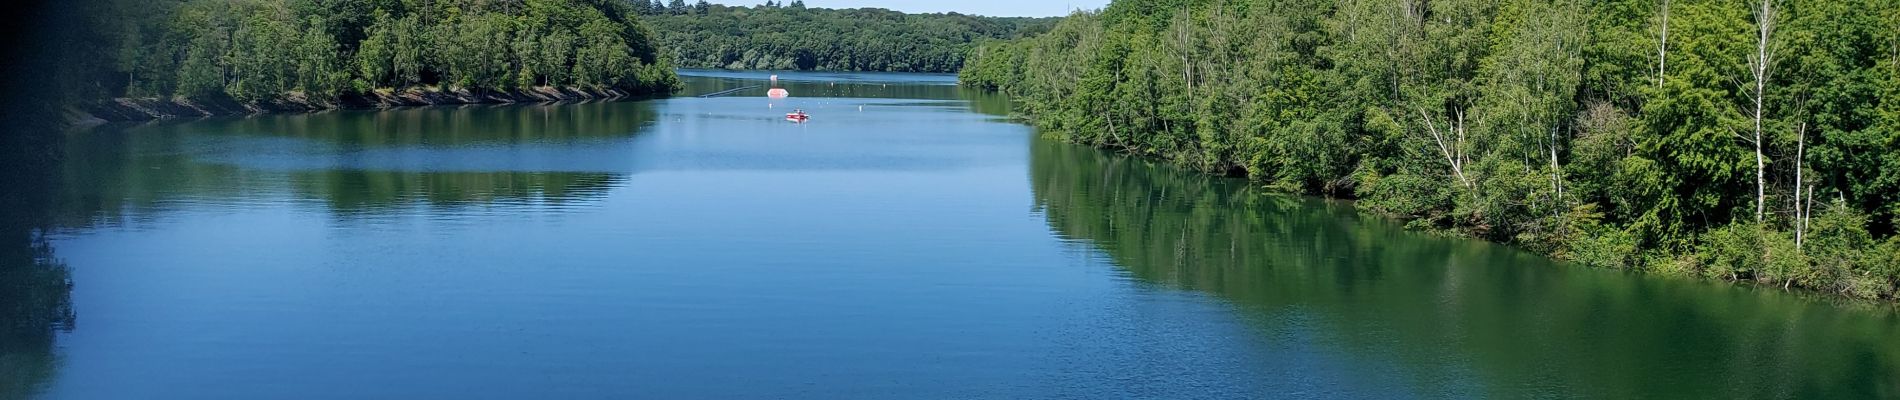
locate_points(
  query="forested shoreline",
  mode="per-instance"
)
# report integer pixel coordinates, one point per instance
(310, 53)
(1749, 141)
(790, 36)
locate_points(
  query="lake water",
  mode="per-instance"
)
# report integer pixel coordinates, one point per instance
(907, 242)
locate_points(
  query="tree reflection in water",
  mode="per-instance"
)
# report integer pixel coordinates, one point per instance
(1464, 318)
(35, 288)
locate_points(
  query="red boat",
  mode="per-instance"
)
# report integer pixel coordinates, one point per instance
(797, 116)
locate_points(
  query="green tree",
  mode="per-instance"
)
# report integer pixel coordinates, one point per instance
(407, 51)
(601, 59)
(557, 56)
(319, 66)
(203, 68)
(261, 63)
(375, 58)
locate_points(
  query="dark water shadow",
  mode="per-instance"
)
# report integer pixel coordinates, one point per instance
(357, 163)
(35, 286)
(1455, 317)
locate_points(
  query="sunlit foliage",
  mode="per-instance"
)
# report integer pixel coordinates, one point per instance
(1563, 126)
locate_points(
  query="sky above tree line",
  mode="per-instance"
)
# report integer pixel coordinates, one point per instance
(998, 8)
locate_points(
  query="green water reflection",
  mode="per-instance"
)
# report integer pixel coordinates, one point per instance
(439, 126)
(35, 286)
(1455, 311)
(351, 161)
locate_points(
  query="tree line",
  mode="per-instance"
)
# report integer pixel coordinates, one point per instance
(252, 50)
(791, 36)
(1752, 141)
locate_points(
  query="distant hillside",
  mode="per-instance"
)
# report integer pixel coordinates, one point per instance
(791, 36)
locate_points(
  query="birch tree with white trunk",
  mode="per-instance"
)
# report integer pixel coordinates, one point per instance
(1758, 67)
(1801, 211)
(1662, 45)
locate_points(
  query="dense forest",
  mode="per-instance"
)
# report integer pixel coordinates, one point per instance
(252, 50)
(1750, 141)
(791, 36)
